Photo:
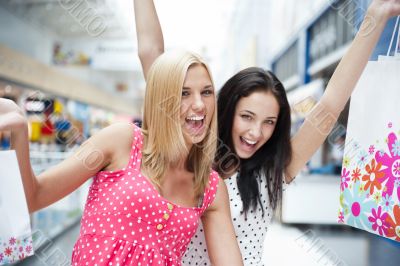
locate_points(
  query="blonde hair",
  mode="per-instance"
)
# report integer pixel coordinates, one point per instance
(164, 142)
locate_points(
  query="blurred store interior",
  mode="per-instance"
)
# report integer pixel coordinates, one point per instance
(73, 68)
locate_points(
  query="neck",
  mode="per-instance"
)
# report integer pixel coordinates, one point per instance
(177, 175)
(179, 166)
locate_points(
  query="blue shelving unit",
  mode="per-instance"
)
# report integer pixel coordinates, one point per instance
(322, 42)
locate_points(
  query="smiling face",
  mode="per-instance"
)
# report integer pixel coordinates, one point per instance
(198, 104)
(254, 122)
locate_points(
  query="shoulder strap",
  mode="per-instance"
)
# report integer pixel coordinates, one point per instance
(210, 191)
(136, 150)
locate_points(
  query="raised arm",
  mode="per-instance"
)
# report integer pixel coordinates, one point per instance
(320, 121)
(60, 180)
(222, 246)
(149, 33)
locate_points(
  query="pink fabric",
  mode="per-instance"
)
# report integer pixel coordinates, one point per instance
(127, 222)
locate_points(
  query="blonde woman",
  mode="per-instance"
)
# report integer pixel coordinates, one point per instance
(150, 185)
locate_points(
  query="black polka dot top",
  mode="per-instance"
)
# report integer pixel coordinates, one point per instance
(250, 232)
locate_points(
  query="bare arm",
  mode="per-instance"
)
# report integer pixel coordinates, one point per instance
(320, 121)
(57, 182)
(219, 232)
(149, 33)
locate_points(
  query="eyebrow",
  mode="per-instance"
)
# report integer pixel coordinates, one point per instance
(269, 117)
(205, 87)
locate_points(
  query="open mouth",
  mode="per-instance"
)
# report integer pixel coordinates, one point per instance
(195, 124)
(247, 142)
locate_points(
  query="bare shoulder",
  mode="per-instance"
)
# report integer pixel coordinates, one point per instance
(115, 134)
(221, 197)
(116, 141)
(121, 132)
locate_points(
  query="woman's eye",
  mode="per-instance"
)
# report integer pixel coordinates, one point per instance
(208, 92)
(270, 122)
(246, 117)
(185, 93)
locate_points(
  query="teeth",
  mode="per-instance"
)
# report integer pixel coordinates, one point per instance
(195, 118)
(249, 141)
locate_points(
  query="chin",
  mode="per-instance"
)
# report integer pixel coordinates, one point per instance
(193, 140)
(244, 154)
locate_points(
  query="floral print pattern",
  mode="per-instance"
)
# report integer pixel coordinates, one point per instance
(394, 224)
(357, 206)
(362, 158)
(345, 179)
(391, 162)
(396, 148)
(370, 187)
(378, 220)
(373, 177)
(387, 203)
(14, 249)
(371, 149)
(356, 174)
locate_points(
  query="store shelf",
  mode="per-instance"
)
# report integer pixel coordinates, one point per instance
(53, 220)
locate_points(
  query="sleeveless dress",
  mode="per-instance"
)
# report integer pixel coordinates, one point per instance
(127, 222)
(250, 232)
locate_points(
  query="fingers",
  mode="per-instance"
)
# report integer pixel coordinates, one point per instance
(12, 121)
(7, 106)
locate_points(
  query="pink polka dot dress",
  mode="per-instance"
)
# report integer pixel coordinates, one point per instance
(127, 222)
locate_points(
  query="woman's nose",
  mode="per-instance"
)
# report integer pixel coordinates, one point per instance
(198, 103)
(255, 131)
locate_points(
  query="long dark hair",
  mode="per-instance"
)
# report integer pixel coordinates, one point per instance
(273, 157)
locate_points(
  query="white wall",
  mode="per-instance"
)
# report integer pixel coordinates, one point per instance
(20, 35)
(107, 80)
(246, 35)
(286, 17)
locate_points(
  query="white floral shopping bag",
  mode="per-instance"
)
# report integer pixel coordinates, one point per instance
(370, 180)
(15, 230)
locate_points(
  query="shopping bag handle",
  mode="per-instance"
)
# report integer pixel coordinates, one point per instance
(392, 39)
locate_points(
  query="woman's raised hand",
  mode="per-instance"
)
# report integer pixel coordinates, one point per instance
(11, 116)
(385, 8)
